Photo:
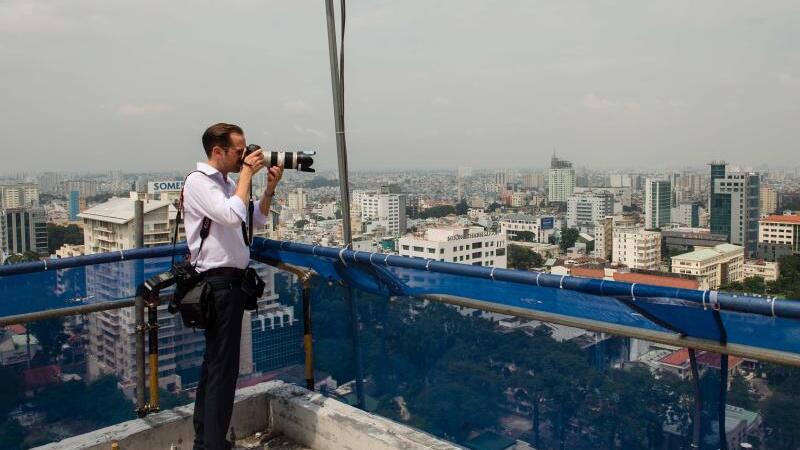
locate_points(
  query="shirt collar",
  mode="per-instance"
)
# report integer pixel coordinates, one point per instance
(210, 171)
(206, 169)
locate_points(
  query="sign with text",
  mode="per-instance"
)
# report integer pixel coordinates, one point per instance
(156, 187)
(546, 223)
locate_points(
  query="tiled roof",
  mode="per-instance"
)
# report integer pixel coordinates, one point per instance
(782, 218)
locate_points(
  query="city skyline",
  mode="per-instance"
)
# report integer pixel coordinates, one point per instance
(635, 86)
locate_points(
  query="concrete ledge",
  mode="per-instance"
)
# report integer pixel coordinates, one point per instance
(304, 417)
(321, 423)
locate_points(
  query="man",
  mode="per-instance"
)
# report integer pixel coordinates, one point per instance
(222, 258)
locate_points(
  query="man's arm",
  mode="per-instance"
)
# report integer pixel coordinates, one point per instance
(205, 197)
(262, 212)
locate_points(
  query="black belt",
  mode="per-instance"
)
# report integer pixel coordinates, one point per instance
(229, 272)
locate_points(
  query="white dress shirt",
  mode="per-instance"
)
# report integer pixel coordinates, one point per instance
(213, 196)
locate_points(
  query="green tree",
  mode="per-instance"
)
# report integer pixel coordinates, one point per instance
(58, 236)
(525, 236)
(301, 223)
(12, 435)
(782, 421)
(437, 211)
(568, 238)
(739, 394)
(494, 207)
(17, 258)
(522, 258)
(462, 207)
(11, 390)
(51, 336)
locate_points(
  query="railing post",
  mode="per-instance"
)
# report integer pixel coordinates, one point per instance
(141, 407)
(308, 340)
(152, 326)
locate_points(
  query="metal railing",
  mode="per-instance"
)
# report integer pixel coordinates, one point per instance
(146, 324)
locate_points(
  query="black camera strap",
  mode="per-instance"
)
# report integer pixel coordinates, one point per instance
(205, 228)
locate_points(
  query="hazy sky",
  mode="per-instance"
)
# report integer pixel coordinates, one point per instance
(99, 84)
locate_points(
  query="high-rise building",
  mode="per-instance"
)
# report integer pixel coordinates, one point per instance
(74, 206)
(687, 214)
(109, 227)
(467, 245)
(561, 180)
(24, 230)
(604, 238)
(87, 188)
(586, 208)
(734, 205)
(657, 203)
(768, 200)
(297, 200)
(382, 210)
(19, 195)
(620, 180)
(464, 172)
(637, 248)
(534, 180)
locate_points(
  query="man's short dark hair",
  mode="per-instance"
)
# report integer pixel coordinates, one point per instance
(219, 134)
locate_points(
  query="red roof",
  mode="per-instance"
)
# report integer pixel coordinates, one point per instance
(782, 218)
(680, 358)
(41, 376)
(677, 358)
(713, 360)
(16, 329)
(587, 272)
(658, 280)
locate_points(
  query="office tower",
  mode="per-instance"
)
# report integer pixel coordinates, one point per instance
(24, 230)
(734, 205)
(687, 214)
(657, 203)
(588, 207)
(74, 205)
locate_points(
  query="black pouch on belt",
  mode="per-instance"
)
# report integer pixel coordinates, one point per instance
(253, 288)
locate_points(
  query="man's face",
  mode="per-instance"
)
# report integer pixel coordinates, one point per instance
(232, 155)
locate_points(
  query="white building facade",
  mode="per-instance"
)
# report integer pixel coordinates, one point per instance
(465, 245)
(637, 248)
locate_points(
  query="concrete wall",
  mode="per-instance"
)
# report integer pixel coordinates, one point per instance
(304, 417)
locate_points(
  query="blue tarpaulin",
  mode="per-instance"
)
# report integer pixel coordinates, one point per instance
(758, 327)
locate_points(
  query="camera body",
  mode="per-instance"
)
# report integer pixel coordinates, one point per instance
(301, 160)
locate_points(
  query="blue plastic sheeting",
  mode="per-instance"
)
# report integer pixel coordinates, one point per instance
(73, 286)
(754, 322)
(667, 310)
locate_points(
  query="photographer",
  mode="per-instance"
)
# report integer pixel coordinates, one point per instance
(222, 257)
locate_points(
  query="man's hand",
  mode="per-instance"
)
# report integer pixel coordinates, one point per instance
(254, 162)
(274, 175)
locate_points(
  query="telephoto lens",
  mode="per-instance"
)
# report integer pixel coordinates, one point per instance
(301, 161)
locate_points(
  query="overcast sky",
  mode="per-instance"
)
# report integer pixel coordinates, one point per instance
(98, 84)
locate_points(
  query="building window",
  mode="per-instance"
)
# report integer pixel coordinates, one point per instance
(405, 247)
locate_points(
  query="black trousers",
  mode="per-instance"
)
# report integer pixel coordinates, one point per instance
(214, 403)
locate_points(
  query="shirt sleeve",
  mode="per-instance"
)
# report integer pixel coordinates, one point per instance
(259, 219)
(206, 198)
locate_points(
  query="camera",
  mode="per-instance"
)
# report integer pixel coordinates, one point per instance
(301, 161)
